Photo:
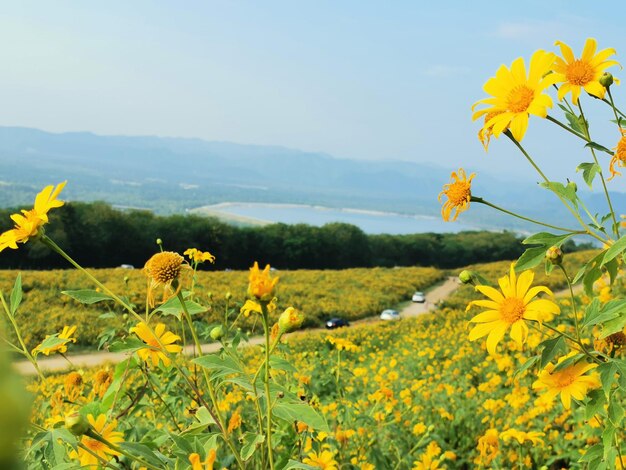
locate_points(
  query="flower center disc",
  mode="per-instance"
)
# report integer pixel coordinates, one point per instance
(579, 73)
(512, 309)
(459, 192)
(519, 98)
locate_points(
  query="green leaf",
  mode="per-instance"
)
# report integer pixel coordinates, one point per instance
(281, 364)
(16, 295)
(546, 239)
(87, 296)
(219, 366)
(595, 404)
(595, 314)
(530, 258)
(589, 279)
(531, 361)
(293, 464)
(49, 343)
(615, 412)
(613, 326)
(590, 170)
(597, 146)
(142, 451)
(121, 371)
(301, 412)
(128, 344)
(618, 247)
(204, 420)
(607, 375)
(250, 442)
(593, 453)
(183, 444)
(566, 192)
(174, 307)
(575, 122)
(552, 347)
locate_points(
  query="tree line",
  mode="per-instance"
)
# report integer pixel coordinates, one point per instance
(97, 235)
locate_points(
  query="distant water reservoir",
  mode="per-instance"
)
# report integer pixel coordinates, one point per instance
(369, 221)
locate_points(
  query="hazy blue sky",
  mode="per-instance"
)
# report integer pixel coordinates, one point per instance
(355, 79)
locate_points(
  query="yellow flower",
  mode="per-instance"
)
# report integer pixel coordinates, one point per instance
(73, 385)
(569, 381)
(27, 223)
(515, 95)
(533, 437)
(154, 352)
(619, 158)
(107, 431)
(459, 193)
(208, 463)
(585, 72)
(510, 308)
(163, 269)
(485, 132)
(342, 344)
(101, 382)
(199, 256)
(66, 334)
(261, 285)
(488, 446)
(324, 459)
(234, 422)
(429, 460)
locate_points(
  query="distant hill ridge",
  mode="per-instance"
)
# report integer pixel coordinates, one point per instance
(171, 175)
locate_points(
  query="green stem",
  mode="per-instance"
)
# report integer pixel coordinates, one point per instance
(210, 388)
(266, 383)
(568, 129)
(25, 350)
(545, 178)
(94, 435)
(338, 371)
(482, 201)
(574, 309)
(615, 109)
(595, 158)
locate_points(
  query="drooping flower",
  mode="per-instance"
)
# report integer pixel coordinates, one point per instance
(488, 447)
(101, 382)
(459, 194)
(196, 464)
(73, 385)
(198, 256)
(570, 381)
(325, 460)
(510, 308)
(163, 270)
(28, 223)
(516, 94)
(107, 431)
(261, 286)
(66, 335)
(154, 351)
(575, 74)
(485, 132)
(619, 158)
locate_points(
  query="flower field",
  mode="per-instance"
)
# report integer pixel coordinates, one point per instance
(393, 395)
(350, 293)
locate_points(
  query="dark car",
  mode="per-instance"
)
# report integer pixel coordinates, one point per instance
(336, 323)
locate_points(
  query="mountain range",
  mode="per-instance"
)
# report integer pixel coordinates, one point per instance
(170, 175)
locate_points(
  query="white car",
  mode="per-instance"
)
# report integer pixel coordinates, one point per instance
(390, 315)
(419, 297)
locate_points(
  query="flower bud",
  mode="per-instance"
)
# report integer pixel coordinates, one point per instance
(291, 319)
(159, 241)
(466, 277)
(217, 333)
(606, 80)
(76, 424)
(554, 255)
(228, 296)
